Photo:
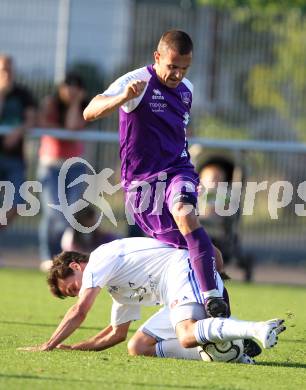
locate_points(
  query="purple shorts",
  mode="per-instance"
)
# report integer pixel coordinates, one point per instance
(149, 205)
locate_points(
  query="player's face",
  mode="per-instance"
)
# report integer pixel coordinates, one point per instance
(171, 67)
(71, 285)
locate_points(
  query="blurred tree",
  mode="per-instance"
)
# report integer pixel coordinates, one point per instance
(270, 6)
(277, 83)
(282, 84)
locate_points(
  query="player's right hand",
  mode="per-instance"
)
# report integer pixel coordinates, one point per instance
(134, 89)
(64, 346)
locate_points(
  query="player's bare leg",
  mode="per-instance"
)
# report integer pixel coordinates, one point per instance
(146, 345)
(142, 344)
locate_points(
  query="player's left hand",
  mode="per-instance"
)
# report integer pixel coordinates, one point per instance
(37, 348)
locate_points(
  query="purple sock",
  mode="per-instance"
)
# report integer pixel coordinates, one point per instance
(202, 258)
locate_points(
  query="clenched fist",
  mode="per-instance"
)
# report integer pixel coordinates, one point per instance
(134, 89)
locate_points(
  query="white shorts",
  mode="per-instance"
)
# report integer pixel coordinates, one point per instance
(180, 286)
(178, 291)
(161, 326)
(183, 301)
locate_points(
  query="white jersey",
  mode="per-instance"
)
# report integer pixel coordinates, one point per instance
(132, 269)
(141, 271)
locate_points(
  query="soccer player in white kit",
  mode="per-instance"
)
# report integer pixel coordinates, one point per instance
(144, 271)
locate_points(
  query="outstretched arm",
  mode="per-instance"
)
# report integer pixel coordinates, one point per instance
(101, 106)
(107, 338)
(72, 320)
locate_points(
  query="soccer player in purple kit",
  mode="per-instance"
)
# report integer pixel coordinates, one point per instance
(154, 105)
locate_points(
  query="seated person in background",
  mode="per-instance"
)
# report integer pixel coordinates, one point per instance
(75, 240)
(62, 110)
(215, 173)
(210, 176)
(211, 173)
(17, 109)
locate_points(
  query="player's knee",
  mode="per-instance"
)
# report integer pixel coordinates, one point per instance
(184, 333)
(135, 347)
(132, 347)
(186, 341)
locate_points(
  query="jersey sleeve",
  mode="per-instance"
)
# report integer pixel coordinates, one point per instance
(122, 313)
(118, 86)
(100, 268)
(188, 84)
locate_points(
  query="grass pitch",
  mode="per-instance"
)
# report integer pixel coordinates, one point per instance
(29, 314)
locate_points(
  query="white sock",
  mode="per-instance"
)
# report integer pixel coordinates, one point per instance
(173, 349)
(223, 329)
(211, 293)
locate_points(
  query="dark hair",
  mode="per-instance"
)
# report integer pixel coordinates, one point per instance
(224, 164)
(176, 40)
(60, 269)
(73, 79)
(83, 215)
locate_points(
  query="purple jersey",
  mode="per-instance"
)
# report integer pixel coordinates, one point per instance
(153, 140)
(153, 127)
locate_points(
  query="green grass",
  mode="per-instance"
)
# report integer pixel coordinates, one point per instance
(29, 314)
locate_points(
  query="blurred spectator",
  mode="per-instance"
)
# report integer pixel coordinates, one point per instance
(211, 173)
(17, 109)
(223, 230)
(74, 240)
(62, 110)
